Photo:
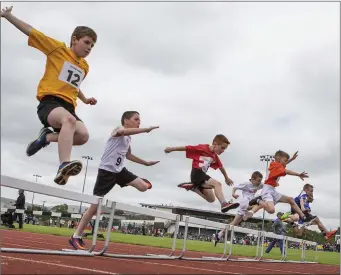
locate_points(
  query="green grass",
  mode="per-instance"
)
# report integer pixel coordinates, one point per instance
(238, 250)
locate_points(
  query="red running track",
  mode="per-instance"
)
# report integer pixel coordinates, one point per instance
(18, 263)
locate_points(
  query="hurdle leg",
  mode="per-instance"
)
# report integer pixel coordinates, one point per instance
(258, 246)
(185, 238)
(107, 237)
(177, 224)
(227, 227)
(176, 230)
(94, 236)
(315, 256)
(222, 258)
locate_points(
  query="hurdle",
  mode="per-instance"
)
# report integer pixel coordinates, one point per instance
(246, 231)
(144, 211)
(303, 250)
(59, 193)
(192, 220)
(74, 196)
(273, 236)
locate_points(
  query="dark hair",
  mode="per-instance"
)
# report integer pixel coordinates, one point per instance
(128, 115)
(82, 31)
(307, 185)
(280, 153)
(256, 174)
(221, 139)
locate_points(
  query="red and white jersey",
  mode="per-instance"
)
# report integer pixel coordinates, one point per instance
(203, 158)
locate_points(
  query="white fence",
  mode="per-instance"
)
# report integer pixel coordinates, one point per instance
(74, 196)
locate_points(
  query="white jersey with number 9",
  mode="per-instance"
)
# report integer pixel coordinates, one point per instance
(115, 152)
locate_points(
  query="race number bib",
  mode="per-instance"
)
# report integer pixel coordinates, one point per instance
(71, 74)
(206, 163)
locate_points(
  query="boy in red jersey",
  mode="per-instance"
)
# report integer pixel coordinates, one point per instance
(205, 156)
(270, 196)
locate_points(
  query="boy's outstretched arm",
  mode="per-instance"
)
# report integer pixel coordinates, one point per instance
(300, 175)
(172, 149)
(134, 158)
(234, 195)
(227, 179)
(132, 131)
(19, 24)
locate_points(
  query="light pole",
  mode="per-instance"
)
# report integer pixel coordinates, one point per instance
(42, 209)
(266, 158)
(86, 170)
(37, 176)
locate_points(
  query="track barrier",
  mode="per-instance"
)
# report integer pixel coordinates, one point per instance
(113, 206)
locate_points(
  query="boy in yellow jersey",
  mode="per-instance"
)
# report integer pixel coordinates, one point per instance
(58, 91)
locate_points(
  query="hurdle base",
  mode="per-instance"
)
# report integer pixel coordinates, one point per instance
(152, 256)
(66, 252)
(243, 260)
(207, 258)
(203, 259)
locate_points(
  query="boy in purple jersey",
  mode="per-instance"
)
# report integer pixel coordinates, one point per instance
(303, 200)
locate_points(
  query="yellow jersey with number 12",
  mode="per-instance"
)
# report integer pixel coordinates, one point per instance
(64, 71)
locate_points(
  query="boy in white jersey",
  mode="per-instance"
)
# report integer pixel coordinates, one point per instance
(112, 171)
(249, 189)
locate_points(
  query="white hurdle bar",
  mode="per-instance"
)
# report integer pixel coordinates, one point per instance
(143, 211)
(59, 193)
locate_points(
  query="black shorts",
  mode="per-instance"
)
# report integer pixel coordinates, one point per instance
(199, 177)
(106, 180)
(48, 103)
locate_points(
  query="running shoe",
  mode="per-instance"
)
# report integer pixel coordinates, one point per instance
(39, 143)
(67, 169)
(77, 243)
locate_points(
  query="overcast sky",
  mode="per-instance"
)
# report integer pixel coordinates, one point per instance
(266, 75)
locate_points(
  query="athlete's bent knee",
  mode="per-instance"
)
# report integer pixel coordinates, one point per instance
(291, 201)
(217, 184)
(271, 210)
(143, 188)
(69, 119)
(82, 138)
(210, 199)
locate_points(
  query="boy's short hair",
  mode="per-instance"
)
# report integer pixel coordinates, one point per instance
(256, 174)
(128, 115)
(82, 31)
(307, 185)
(281, 153)
(219, 139)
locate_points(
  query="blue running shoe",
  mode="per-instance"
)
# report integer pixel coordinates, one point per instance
(67, 169)
(34, 146)
(77, 243)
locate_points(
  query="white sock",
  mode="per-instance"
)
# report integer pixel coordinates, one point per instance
(76, 236)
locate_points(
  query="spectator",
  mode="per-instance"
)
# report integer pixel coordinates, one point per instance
(20, 204)
(278, 228)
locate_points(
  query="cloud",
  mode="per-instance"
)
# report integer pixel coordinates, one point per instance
(264, 74)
